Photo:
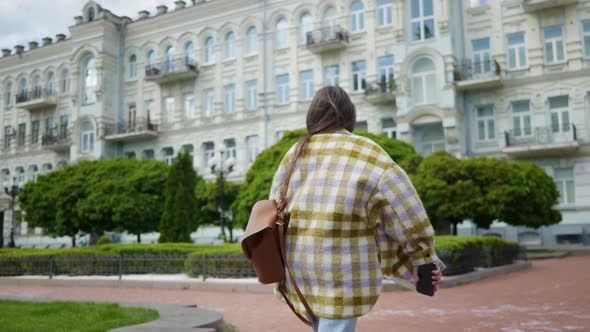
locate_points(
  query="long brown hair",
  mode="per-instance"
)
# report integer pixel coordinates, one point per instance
(331, 109)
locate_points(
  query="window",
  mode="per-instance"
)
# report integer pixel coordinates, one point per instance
(230, 45)
(22, 132)
(560, 116)
(251, 95)
(148, 154)
(384, 12)
(189, 53)
(130, 155)
(33, 172)
(169, 59)
(586, 33)
(521, 118)
(282, 33)
(359, 75)
(65, 81)
(477, 3)
(517, 58)
(37, 89)
(5, 177)
(90, 81)
(168, 109)
(189, 105)
(305, 26)
(481, 56)
(49, 126)
(7, 137)
(131, 116)
(208, 153)
(35, 125)
(151, 60)
(168, 153)
(132, 70)
(388, 127)
(554, 50)
(87, 139)
(8, 93)
(20, 176)
(253, 147)
(422, 13)
(63, 126)
(485, 123)
(23, 89)
(251, 40)
(330, 18)
(230, 148)
(564, 180)
(208, 102)
(147, 106)
(385, 64)
(423, 80)
(51, 84)
(357, 17)
(230, 98)
(209, 50)
(90, 14)
(283, 89)
(189, 148)
(306, 81)
(361, 125)
(331, 74)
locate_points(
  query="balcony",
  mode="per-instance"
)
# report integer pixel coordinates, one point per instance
(478, 75)
(534, 5)
(327, 39)
(36, 99)
(139, 129)
(381, 93)
(172, 71)
(60, 142)
(544, 142)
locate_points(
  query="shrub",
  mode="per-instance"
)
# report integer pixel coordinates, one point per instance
(103, 240)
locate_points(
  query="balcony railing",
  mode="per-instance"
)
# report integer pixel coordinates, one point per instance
(478, 74)
(36, 98)
(172, 70)
(541, 141)
(57, 142)
(327, 39)
(382, 92)
(136, 129)
(534, 5)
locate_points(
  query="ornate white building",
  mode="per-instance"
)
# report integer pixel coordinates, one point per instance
(472, 77)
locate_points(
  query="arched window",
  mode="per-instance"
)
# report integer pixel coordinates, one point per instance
(423, 79)
(46, 168)
(33, 172)
(20, 176)
(282, 33)
(89, 81)
(37, 87)
(90, 14)
(189, 53)
(87, 137)
(8, 93)
(22, 89)
(132, 71)
(230, 45)
(305, 26)
(209, 50)
(170, 59)
(51, 84)
(357, 17)
(251, 40)
(330, 19)
(151, 60)
(65, 81)
(5, 177)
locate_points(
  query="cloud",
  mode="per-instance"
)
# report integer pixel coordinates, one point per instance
(31, 20)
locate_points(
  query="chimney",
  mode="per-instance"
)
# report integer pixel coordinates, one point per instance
(179, 4)
(78, 20)
(33, 45)
(46, 41)
(60, 37)
(143, 14)
(18, 49)
(6, 52)
(161, 9)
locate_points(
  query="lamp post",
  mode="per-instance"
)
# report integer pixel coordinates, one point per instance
(12, 192)
(221, 167)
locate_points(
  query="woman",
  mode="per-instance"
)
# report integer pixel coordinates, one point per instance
(354, 217)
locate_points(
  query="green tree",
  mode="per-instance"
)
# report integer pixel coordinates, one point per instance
(209, 199)
(180, 207)
(259, 177)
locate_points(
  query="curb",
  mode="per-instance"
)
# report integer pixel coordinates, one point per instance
(244, 285)
(556, 254)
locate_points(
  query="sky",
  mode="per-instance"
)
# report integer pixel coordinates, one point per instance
(22, 21)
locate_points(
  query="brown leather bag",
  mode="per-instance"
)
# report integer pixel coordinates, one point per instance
(263, 244)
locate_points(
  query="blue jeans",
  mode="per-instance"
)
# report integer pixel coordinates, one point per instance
(335, 325)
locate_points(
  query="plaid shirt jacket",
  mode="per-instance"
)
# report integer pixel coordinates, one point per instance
(355, 218)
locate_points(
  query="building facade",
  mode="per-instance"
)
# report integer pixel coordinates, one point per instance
(470, 77)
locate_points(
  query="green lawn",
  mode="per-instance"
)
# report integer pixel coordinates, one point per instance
(65, 316)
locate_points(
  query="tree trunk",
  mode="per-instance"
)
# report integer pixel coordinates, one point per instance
(73, 240)
(454, 223)
(138, 238)
(93, 238)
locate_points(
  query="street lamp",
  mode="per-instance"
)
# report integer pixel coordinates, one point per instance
(13, 193)
(221, 167)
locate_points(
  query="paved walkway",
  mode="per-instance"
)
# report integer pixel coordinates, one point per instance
(553, 296)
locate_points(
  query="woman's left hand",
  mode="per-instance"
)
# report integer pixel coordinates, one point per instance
(436, 276)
